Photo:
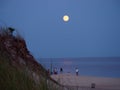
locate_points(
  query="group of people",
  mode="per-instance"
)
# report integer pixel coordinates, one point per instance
(55, 71)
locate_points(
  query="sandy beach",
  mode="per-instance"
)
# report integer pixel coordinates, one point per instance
(86, 81)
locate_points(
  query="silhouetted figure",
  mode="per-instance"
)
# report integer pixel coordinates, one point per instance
(10, 31)
(55, 71)
(61, 70)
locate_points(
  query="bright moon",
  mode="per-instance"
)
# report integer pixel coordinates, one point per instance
(65, 18)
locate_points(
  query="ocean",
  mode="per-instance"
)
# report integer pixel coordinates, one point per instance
(99, 67)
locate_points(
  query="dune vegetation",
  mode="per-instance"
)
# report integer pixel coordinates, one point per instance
(18, 68)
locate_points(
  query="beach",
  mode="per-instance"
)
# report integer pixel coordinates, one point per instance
(102, 67)
(102, 83)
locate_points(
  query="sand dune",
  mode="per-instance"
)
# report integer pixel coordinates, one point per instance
(86, 81)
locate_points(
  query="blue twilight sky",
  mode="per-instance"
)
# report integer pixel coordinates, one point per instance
(92, 31)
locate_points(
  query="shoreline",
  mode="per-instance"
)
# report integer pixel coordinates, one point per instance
(98, 76)
(86, 81)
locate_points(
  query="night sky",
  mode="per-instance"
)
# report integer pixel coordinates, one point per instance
(93, 29)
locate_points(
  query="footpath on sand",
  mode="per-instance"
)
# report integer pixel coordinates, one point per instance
(87, 81)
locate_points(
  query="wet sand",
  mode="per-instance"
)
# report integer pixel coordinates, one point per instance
(86, 81)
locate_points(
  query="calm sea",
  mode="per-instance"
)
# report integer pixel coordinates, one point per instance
(103, 67)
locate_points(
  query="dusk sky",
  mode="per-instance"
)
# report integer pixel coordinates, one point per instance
(93, 29)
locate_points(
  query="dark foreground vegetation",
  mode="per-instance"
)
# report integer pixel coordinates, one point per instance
(18, 68)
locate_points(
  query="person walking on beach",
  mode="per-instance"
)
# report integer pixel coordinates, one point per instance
(55, 71)
(76, 71)
(61, 70)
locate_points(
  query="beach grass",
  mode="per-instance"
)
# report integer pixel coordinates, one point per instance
(11, 78)
(14, 77)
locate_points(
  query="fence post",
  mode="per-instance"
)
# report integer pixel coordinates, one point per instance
(92, 85)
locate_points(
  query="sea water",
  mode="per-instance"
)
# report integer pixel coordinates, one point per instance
(101, 67)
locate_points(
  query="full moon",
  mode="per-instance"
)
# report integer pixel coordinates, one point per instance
(65, 18)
